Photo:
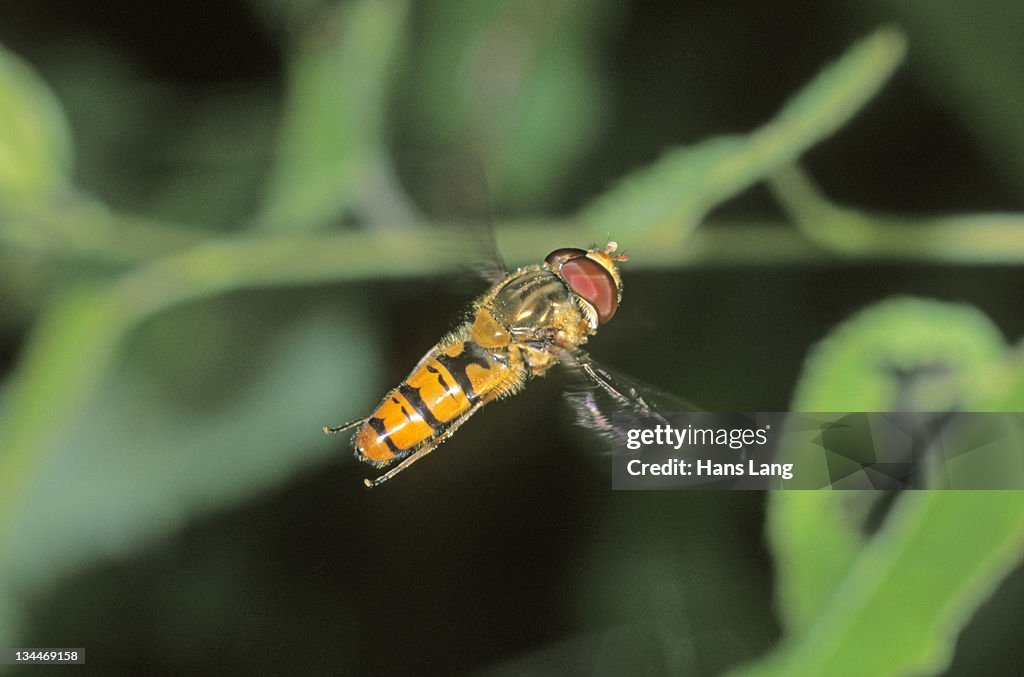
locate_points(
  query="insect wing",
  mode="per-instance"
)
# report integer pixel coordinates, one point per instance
(612, 405)
(601, 397)
(456, 191)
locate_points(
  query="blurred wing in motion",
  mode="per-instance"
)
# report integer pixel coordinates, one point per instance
(490, 269)
(601, 392)
(460, 195)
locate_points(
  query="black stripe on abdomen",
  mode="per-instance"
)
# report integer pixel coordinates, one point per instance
(471, 353)
(419, 406)
(382, 433)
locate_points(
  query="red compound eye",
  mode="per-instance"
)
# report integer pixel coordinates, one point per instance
(594, 283)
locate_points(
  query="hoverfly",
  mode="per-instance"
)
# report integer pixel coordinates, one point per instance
(529, 321)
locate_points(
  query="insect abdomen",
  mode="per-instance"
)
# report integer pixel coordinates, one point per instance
(436, 396)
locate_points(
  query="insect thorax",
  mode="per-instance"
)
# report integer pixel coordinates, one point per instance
(540, 314)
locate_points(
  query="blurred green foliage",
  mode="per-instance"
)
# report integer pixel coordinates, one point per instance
(36, 145)
(218, 274)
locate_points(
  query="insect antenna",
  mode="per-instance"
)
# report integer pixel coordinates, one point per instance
(611, 247)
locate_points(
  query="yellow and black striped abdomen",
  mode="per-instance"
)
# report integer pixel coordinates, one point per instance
(443, 390)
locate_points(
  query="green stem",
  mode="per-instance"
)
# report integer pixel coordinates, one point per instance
(967, 239)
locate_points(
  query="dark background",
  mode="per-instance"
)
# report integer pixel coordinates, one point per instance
(506, 550)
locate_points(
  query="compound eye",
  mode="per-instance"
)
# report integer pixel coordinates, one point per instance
(592, 281)
(556, 258)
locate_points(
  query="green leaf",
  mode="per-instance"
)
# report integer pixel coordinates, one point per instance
(35, 143)
(1007, 385)
(952, 348)
(857, 367)
(906, 595)
(815, 537)
(332, 134)
(854, 604)
(673, 195)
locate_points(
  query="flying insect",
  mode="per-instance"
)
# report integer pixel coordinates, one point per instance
(526, 323)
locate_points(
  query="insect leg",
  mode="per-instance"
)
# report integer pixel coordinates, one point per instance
(423, 451)
(605, 385)
(622, 393)
(341, 428)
